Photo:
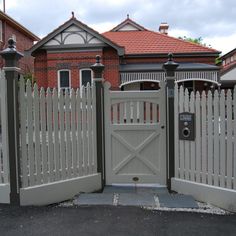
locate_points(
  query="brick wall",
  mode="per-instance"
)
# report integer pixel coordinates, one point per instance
(48, 64)
(23, 43)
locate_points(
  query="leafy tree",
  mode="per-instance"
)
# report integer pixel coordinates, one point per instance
(195, 40)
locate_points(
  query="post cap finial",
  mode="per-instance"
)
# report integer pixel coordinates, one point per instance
(11, 43)
(170, 56)
(98, 57)
(170, 66)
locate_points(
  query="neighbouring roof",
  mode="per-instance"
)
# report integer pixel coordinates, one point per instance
(18, 26)
(158, 67)
(73, 21)
(143, 41)
(228, 54)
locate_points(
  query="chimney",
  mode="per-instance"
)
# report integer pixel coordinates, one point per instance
(163, 28)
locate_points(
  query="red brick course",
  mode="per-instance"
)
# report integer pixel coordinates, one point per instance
(23, 43)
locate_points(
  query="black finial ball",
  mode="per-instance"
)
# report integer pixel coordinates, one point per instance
(98, 59)
(11, 43)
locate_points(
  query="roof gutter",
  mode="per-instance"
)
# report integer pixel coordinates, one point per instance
(176, 55)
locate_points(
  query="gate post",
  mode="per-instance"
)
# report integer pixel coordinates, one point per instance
(170, 66)
(98, 68)
(11, 57)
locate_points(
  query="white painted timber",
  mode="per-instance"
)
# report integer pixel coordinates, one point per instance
(213, 152)
(220, 197)
(4, 193)
(58, 134)
(59, 191)
(135, 144)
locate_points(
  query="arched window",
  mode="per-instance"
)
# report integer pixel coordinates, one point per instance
(85, 77)
(64, 79)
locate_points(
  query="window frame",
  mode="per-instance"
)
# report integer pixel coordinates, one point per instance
(59, 79)
(80, 76)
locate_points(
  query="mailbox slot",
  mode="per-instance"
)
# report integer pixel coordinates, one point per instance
(187, 126)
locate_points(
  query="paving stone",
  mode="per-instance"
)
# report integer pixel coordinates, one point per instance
(136, 199)
(154, 190)
(119, 189)
(94, 199)
(177, 201)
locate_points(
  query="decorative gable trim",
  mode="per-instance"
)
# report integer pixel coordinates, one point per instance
(71, 29)
(128, 25)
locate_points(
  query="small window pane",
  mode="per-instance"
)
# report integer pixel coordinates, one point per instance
(86, 77)
(64, 79)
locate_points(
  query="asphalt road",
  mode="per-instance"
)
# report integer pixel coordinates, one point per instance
(109, 220)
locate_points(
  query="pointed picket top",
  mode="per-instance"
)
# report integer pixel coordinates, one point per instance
(72, 93)
(198, 95)
(77, 93)
(48, 92)
(181, 90)
(203, 94)
(54, 93)
(28, 83)
(42, 92)
(107, 85)
(229, 94)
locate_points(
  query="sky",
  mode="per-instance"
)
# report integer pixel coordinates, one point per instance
(212, 20)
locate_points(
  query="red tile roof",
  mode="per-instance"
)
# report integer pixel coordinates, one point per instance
(150, 42)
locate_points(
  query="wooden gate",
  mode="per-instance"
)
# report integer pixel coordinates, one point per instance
(135, 136)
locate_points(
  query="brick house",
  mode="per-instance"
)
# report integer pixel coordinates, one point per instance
(132, 55)
(228, 70)
(25, 39)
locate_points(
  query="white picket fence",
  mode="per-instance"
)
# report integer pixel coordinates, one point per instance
(58, 135)
(4, 171)
(210, 159)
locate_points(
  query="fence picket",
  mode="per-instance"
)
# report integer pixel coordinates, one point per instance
(209, 137)
(198, 138)
(50, 135)
(229, 139)
(37, 135)
(43, 136)
(84, 133)
(216, 150)
(68, 132)
(192, 145)
(89, 129)
(30, 133)
(23, 120)
(204, 137)
(79, 131)
(181, 142)
(222, 139)
(94, 129)
(73, 133)
(55, 108)
(62, 134)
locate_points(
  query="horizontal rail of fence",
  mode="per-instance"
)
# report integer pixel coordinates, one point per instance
(211, 158)
(57, 133)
